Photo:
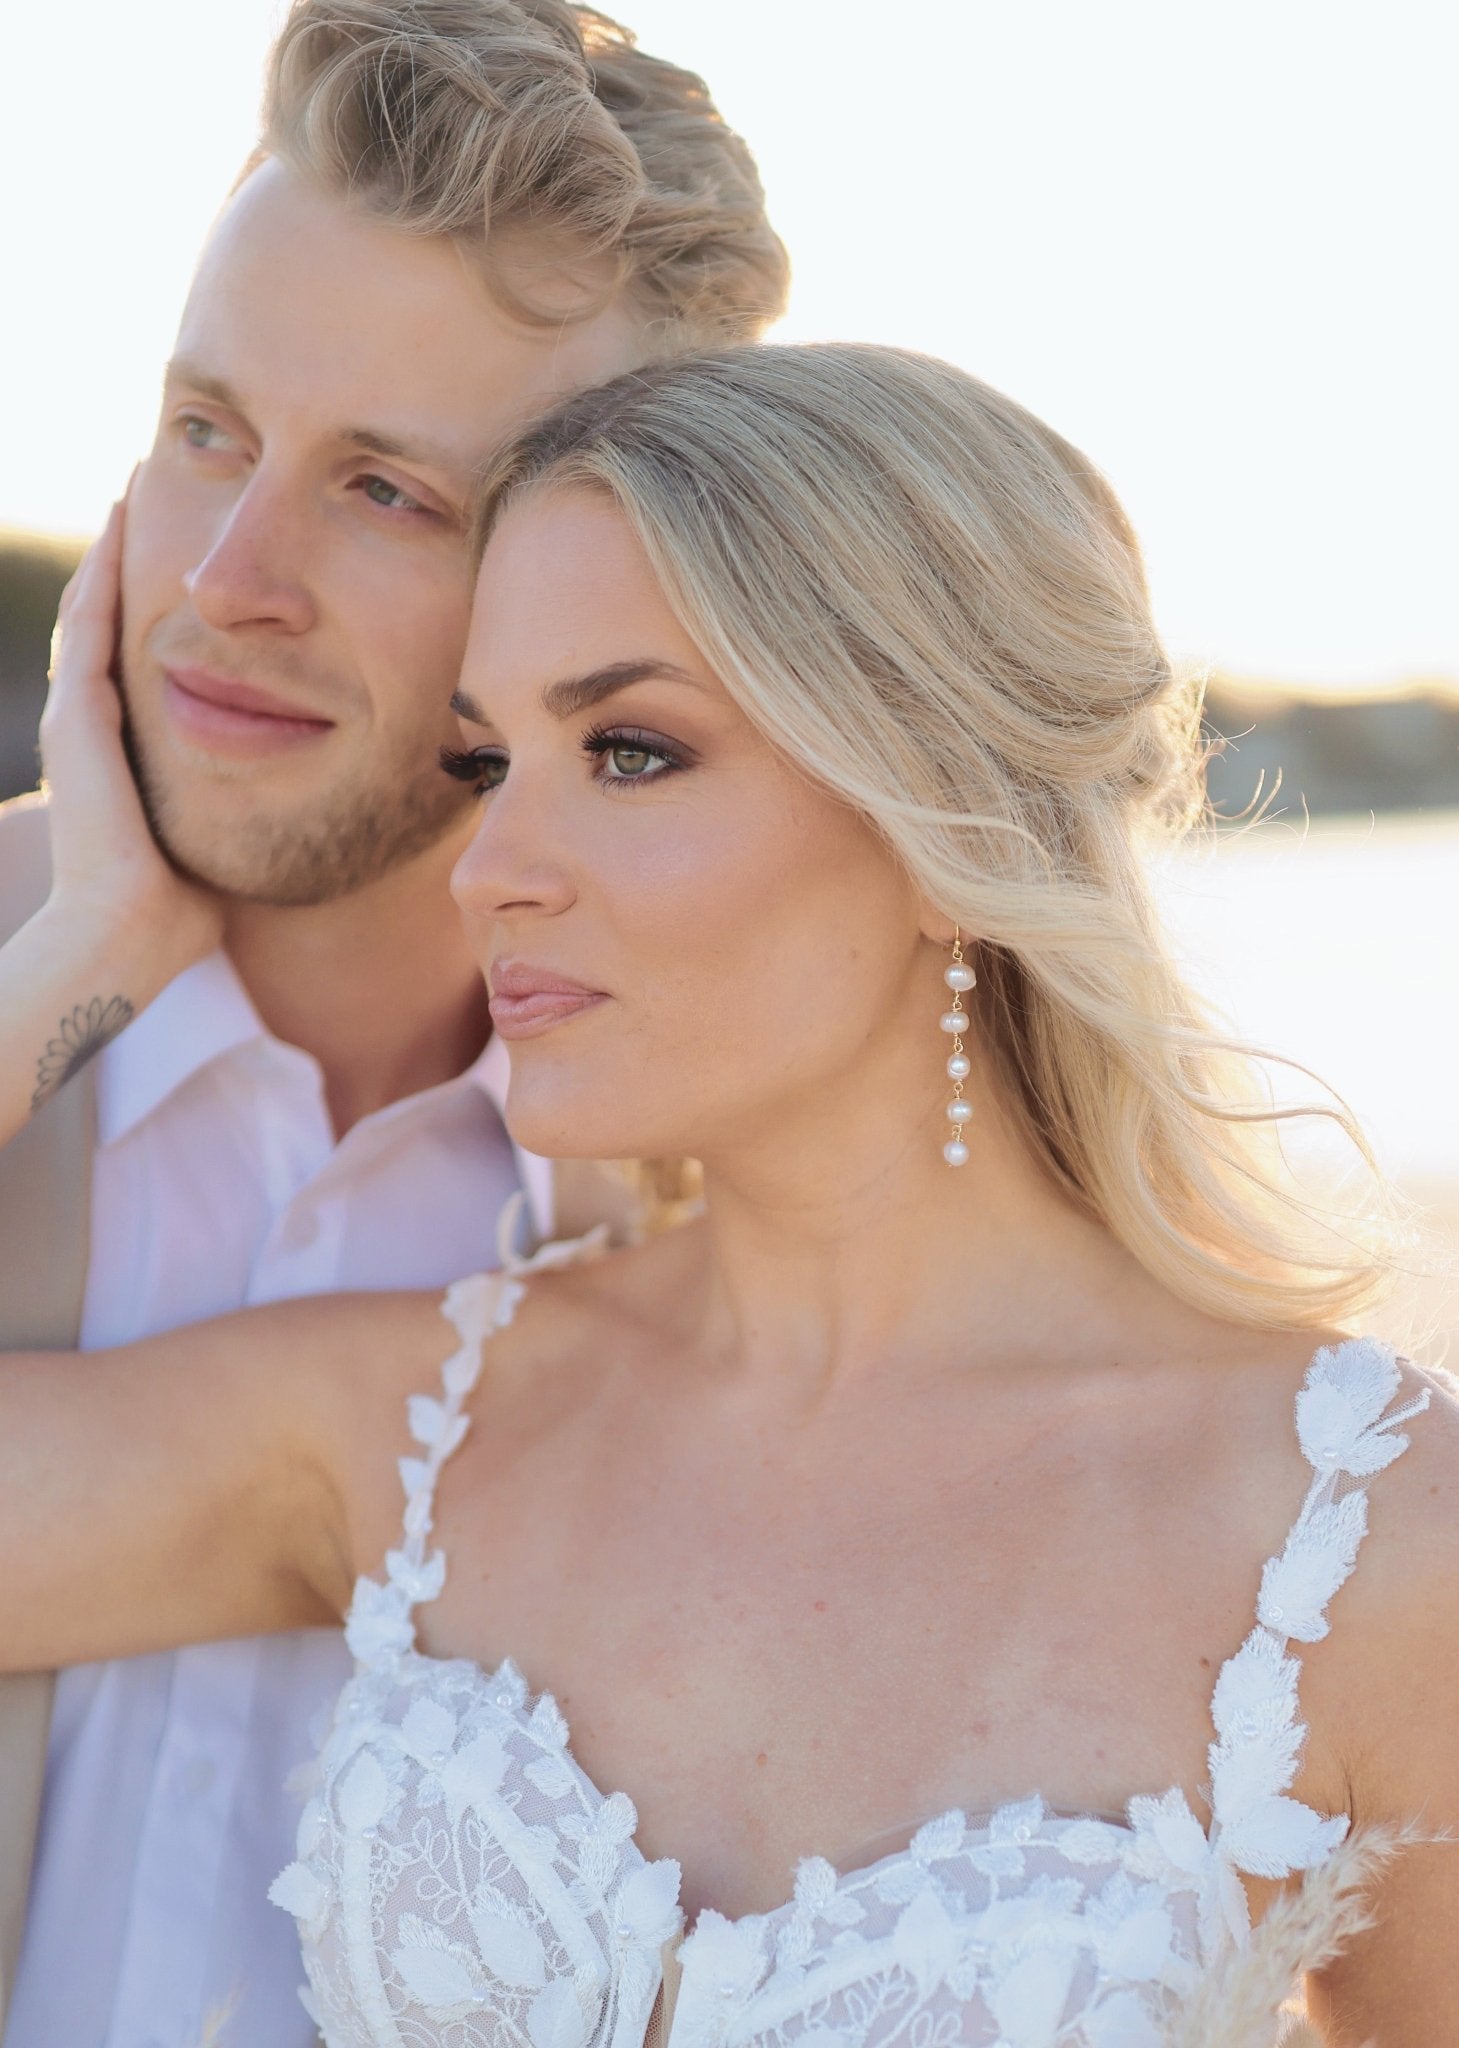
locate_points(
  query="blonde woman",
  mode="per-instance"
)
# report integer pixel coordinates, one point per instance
(938, 1549)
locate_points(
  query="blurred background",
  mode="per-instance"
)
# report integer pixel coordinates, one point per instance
(1213, 247)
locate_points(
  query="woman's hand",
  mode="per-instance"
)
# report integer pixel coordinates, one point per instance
(106, 867)
(120, 922)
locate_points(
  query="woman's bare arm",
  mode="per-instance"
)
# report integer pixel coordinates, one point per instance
(210, 1482)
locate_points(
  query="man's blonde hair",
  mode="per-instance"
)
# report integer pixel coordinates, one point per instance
(539, 138)
(935, 606)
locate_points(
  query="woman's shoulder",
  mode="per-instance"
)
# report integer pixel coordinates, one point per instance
(570, 1311)
(1330, 1413)
(1411, 1480)
(1373, 1421)
(1386, 1668)
(555, 1310)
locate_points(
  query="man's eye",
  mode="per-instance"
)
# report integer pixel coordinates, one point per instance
(380, 491)
(201, 433)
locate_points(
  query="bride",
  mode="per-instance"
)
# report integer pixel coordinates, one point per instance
(937, 1547)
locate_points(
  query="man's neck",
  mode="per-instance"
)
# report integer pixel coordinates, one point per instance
(379, 986)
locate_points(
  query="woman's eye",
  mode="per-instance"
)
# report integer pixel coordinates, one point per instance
(380, 491)
(484, 768)
(629, 757)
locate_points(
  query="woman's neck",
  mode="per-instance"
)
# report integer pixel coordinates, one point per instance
(835, 1255)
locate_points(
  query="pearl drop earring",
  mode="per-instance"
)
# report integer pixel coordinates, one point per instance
(959, 978)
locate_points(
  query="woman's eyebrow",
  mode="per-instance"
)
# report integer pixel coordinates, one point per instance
(571, 694)
(468, 708)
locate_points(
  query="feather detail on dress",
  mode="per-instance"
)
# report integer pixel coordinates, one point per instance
(1304, 1929)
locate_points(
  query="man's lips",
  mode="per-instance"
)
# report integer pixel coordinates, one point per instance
(238, 717)
(526, 1000)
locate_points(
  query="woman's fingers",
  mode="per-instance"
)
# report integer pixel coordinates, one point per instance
(84, 644)
(107, 870)
(80, 729)
(97, 823)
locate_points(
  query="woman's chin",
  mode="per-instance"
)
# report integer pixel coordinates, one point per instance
(570, 1131)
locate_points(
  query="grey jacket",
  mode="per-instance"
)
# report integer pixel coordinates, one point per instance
(45, 1196)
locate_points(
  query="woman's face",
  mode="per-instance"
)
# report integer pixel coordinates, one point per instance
(690, 946)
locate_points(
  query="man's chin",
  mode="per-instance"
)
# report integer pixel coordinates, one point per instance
(291, 863)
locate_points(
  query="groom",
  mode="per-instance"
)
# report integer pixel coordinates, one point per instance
(456, 212)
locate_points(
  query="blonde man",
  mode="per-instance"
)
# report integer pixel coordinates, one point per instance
(458, 209)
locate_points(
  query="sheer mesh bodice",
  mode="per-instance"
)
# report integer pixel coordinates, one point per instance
(461, 1882)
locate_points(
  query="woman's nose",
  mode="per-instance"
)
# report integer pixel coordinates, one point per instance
(518, 858)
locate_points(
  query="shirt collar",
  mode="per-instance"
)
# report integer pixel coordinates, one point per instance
(201, 1015)
(207, 1012)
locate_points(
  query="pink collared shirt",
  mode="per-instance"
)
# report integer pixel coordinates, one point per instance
(218, 1183)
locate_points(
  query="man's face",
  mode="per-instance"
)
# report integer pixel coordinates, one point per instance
(295, 588)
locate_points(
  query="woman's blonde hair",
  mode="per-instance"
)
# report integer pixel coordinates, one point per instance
(937, 608)
(539, 137)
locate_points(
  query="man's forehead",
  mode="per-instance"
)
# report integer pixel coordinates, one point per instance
(299, 304)
(302, 301)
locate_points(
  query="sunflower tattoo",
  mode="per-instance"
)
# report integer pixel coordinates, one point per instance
(80, 1038)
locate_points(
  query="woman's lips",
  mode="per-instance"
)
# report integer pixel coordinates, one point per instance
(526, 1001)
(235, 718)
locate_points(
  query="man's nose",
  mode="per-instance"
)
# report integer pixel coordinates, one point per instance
(250, 575)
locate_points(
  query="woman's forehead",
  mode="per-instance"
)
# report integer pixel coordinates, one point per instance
(566, 591)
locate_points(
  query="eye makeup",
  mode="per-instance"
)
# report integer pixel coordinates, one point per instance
(629, 756)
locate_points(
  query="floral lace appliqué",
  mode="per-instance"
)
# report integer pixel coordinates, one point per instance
(461, 1883)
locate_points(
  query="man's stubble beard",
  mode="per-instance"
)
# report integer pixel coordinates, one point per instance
(353, 834)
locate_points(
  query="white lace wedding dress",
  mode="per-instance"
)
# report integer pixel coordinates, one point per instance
(461, 1882)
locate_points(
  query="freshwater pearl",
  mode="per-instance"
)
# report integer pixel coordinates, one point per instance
(959, 1112)
(955, 1152)
(959, 1067)
(954, 1020)
(960, 976)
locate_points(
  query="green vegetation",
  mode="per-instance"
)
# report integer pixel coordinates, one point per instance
(33, 573)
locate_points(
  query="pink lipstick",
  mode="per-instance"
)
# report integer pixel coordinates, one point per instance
(526, 1000)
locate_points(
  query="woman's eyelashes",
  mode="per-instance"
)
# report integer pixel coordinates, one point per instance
(625, 757)
(482, 768)
(628, 754)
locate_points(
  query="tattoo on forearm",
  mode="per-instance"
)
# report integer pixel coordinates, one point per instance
(79, 1039)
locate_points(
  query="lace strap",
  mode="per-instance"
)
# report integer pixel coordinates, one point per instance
(379, 1623)
(1347, 1433)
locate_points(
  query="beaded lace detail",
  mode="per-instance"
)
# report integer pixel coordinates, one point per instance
(462, 1883)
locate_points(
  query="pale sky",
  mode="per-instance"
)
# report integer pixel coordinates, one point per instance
(1213, 245)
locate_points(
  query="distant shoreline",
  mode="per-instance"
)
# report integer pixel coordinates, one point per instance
(1393, 748)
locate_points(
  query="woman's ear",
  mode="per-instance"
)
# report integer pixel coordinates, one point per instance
(933, 925)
